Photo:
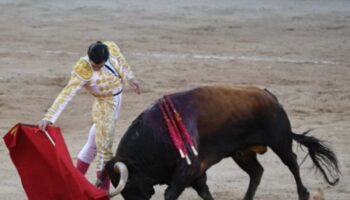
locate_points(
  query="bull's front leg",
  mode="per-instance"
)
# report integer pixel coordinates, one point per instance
(134, 193)
(178, 182)
(201, 187)
(173, 191)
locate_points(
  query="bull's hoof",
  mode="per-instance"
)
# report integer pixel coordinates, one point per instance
(305, 196)
(206, 196)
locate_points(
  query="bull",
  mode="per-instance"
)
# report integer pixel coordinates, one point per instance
(236, 122)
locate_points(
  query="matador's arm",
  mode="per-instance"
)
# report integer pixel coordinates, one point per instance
(81, 74)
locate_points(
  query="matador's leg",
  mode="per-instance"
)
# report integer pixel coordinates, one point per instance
(106, 114)
(88, 153)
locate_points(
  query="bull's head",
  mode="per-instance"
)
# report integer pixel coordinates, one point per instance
(116, 171)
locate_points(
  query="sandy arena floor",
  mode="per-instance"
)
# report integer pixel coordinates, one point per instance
(300, 50)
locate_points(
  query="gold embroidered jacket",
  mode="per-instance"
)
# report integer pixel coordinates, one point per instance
(106, 82)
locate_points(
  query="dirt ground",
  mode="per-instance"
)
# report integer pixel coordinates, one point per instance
(300, 50)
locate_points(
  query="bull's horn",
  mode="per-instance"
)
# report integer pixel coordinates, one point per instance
(120, 168)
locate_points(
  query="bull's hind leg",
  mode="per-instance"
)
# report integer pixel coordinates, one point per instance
(284, 151)
(201, 187)
(248, 162)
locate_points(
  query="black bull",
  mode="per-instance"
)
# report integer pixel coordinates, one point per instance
(236, 122)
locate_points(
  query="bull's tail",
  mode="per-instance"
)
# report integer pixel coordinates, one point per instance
(322, 156)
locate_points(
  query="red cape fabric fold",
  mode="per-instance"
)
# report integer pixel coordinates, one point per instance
(46, 170)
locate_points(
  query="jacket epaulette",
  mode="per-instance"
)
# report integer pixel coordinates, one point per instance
(113, 48)
(83, 70)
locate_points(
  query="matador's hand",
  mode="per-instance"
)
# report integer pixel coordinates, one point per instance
(42, 124)
(135, 85)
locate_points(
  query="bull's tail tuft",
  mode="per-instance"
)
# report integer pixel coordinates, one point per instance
(322, 156)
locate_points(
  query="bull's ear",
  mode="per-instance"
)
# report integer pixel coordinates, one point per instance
(114, 176)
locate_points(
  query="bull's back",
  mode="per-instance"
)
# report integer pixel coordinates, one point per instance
(220, 105)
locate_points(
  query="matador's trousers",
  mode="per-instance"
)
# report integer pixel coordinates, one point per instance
(105, 112)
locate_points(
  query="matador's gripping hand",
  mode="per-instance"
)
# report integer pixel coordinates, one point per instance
(42, 124)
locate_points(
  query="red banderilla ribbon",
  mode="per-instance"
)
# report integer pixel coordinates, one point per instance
(181, 125)
(172, 129)
(177, 130)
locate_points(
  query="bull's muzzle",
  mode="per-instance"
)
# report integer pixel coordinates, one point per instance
(120, 167)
